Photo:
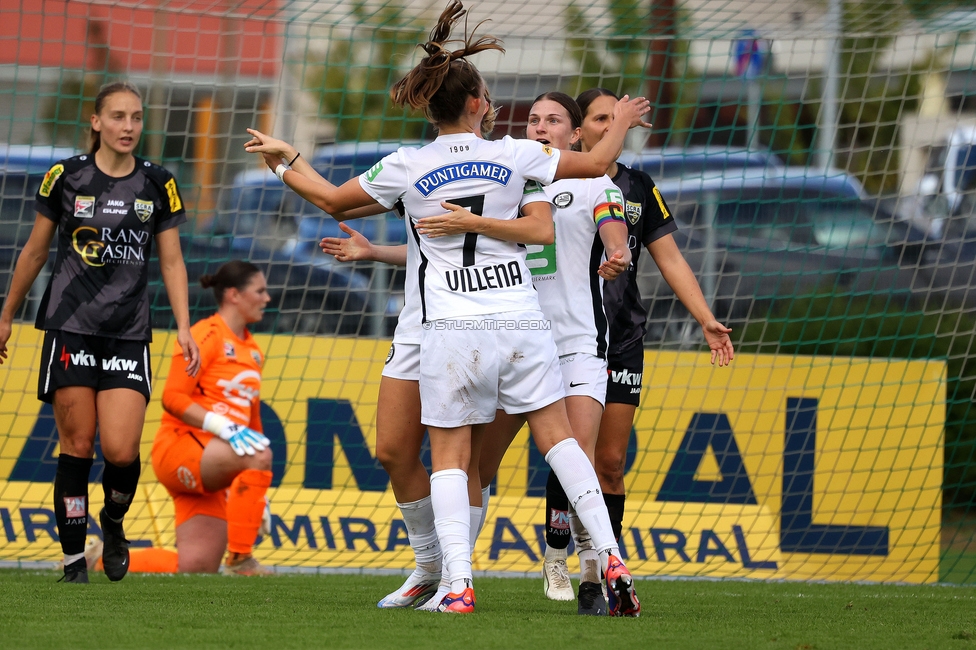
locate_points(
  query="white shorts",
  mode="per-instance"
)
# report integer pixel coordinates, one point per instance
(584, 374)
(403, 362)
(470, 367)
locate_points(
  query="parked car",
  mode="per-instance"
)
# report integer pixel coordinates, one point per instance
(304, 298)
(675, 162)
(261, 219)
(258, 211)
(756, 235)
(22, 168)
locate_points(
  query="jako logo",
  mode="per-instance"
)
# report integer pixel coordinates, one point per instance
(79, 359)
(487, 171)
(119, 364)
(626, 377)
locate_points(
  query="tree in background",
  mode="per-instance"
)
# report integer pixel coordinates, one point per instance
(872, 99)
(64, 114)
(625, 62)
(352, 80)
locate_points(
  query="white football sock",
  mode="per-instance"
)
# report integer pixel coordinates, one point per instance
(68, 559)
(475, 516)
(418, 516)
(588, 557)
(452, 518)
(581, 485)
(485, 495)
(555, 553)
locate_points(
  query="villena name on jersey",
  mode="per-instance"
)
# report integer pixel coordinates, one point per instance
(441, 176)
(474, 278)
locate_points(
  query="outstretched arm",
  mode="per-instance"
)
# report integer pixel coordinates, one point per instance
(356, 247)
(533, 227)
(682, 281)
(321, 193)
(594, 163)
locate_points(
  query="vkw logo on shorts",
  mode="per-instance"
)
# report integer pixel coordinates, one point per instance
(144, 210)
(389, 356)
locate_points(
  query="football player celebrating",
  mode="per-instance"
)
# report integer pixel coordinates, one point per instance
(481, 279)
(650, 225)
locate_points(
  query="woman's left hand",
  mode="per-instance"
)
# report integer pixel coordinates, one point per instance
(191, 353)
(717, 337)
(273, 150)
(458, 221)
(613, 267)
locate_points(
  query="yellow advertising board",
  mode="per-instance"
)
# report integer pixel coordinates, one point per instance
(776, 467)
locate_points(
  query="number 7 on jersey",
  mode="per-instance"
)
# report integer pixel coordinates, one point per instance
(476, 205)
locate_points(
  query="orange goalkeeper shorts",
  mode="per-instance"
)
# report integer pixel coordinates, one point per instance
(176, 455)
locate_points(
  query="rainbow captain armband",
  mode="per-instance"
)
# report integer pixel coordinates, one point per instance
(608, 212)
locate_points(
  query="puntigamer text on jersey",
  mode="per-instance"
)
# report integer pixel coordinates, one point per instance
(441, 176)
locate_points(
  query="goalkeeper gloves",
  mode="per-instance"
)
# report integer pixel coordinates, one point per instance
(242, 439)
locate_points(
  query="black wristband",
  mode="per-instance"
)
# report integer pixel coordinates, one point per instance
(294, 159)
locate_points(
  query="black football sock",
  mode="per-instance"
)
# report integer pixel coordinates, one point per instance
(119, 484)
(557, 513)
(71, 502)
(615, 507)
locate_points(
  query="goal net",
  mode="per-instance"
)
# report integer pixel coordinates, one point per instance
(818, 158)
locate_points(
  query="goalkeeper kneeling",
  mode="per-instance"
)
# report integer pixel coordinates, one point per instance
(210, 451)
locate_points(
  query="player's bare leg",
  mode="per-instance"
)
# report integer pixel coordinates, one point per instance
(399, 436)
(611, 458)
(200, 544)
(247, 479)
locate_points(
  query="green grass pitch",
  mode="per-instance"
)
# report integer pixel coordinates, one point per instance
(339, 611)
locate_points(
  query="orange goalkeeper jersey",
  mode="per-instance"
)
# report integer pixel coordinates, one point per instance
(229, 381)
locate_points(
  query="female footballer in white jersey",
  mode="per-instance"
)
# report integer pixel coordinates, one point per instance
(399, 432)
(480, 280)
(650, 225)
(590, 245)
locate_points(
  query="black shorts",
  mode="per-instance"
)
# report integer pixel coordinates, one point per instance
(625, 375)
(99, 362)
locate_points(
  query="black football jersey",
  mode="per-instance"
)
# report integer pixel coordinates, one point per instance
(106, 225)
(648, 219)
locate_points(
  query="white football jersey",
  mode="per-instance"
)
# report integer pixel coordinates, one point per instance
(408, 329)
(565, 272)
(409, 324)
(465, 275)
